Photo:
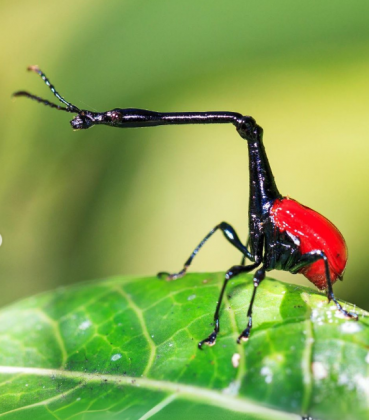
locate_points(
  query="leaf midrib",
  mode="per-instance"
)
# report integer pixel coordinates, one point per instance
(189, 392)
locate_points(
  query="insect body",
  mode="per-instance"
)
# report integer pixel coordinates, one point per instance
(283, 234)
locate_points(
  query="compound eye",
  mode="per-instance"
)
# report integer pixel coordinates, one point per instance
(115, 116)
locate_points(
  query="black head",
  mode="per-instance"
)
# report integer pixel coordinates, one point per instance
(83, 120)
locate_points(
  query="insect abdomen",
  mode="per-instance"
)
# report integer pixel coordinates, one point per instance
(314, 232)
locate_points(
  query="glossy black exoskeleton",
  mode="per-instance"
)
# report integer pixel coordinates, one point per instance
(283, 234)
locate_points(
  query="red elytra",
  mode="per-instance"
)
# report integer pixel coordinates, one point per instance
(314, 232)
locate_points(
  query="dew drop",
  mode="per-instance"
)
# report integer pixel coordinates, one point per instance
(116, 357)
(85, 325)
(351, 327)
(266, 371)
(236, 360)
(319, 370)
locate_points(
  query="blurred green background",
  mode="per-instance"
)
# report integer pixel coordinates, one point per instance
(91, 204)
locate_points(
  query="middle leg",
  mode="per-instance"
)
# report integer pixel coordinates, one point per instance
(258, 278)
(232, 272)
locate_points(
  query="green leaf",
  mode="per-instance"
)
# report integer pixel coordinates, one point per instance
(126, 348)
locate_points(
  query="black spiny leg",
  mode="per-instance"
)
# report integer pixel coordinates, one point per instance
(231, 236)
(310, 258)
(258, 278)
(232, 272)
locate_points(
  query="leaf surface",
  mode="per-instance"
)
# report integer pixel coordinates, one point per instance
(126, 348)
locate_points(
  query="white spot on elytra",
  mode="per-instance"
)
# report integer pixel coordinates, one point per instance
(319, 370)
(266, 371)
(85, 325)
(116, 357)
(236, 360)
(351, 327)
(192, 297)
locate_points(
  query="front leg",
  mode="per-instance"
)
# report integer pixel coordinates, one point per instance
(231, 236)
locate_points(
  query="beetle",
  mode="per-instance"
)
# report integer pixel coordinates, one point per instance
(283, 234)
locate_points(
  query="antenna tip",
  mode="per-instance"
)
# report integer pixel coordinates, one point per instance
(19, 93)
(33, 68)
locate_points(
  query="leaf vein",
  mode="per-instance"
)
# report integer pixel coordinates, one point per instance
(139, 314)
(158, 407)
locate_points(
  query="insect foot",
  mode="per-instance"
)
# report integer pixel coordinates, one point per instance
(345, 313)
(169, 277)
(244, 336)
(210, 341)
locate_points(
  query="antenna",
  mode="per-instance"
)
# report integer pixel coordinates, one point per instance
(69, 107)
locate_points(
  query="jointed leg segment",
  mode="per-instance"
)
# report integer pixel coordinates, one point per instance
(232, 272)
(258, 278)
(310, 258)
(231, 236)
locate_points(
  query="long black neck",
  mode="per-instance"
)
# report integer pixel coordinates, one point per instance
(263, 189)
(135, 118)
